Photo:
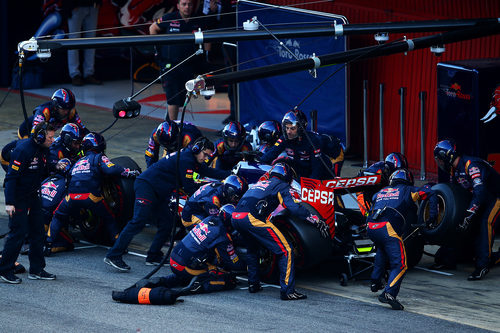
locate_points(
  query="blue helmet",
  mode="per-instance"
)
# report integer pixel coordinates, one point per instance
(330, 145)
(234, 130)
(166, 134)
(445, 154)
(294, 118)
(282, 171)
(64, 99)
(225, 214)
(269, 132)
(401, 176)
(70, 133)
(95, 142)
(233, 188)
(396, 161)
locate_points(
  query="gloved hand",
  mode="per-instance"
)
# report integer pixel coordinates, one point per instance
(467, 221)
(10, 209)
(130, 173)
(324, 229)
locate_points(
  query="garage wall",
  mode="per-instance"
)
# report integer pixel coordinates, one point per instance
(415, 71)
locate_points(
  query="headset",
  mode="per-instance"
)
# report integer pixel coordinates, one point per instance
(40, 133)
(201, 144)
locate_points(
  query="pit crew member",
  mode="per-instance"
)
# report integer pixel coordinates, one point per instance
(228, 149)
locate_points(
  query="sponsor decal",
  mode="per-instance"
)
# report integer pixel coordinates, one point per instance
(339, 183)
(455, 91)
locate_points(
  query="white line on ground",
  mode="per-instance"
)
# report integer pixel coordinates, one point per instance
(433, 271)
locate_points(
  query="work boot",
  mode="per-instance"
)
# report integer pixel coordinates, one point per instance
(387, 298)
(77, 81)
(92, 80)
(294, 296)
(478, 274)
(254, 288)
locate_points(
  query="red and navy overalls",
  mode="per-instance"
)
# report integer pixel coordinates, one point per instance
(306, 158)
(200, 253)
(251, 219)
(477, 176)
(84, 192)
(48, 113)
(391, 210)
(206, 201)
(224, 159)
(153, 189)
(188, 135)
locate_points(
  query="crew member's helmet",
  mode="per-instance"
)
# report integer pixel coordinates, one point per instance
(445, 154)
(396, 161)
(294, 118)
(234, 131)
(225, 214)
(166, 134)
(282, 171)
(70, 133)
(401, 176)
(233, 188)
(269, 132)
(330, 145)
(94, 142)
(64, 99)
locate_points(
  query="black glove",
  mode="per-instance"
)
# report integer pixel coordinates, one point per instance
(324, 229)
(467, 221)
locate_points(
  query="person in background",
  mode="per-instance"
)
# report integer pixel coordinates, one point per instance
(82, 21)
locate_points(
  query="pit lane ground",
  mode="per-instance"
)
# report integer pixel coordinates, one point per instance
(80, 299)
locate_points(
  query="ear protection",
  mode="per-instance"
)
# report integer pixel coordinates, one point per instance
(40, 133)
(200, 144)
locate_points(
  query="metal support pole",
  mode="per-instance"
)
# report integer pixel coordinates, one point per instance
(381, 120)
(402, 93)
(314, 120)
(365, 121)
(422, 96)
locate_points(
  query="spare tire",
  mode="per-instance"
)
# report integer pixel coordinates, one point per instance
(119, 195)
(453, 201)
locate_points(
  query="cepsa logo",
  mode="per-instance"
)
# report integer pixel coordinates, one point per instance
(352, 182)
(324, 197)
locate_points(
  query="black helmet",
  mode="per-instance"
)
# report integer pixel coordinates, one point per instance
(234, 130)
(445, 154)
(233, 188)
(64, 99)
(294, 118)
(282, 171)
(166, 134)
(330, 145)
(95, 142)
(401, 176)
(70, 133)
(225, 214)
(269, 132)
(396, 161)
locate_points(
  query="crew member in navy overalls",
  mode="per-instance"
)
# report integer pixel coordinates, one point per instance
(85, 189)
(22, 204)
(67, 145)
(306, 157)
(166, 136)
(393, 205)
(206, 254)
(53, 190)
(251, 219)
(58, 112)
(208, 199)
(268, 132)
(478, 177)
(228, 149)
(385, 168)
(332, 151)
(153, 189)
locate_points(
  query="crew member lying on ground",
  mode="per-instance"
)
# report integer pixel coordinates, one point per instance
(206, 253)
